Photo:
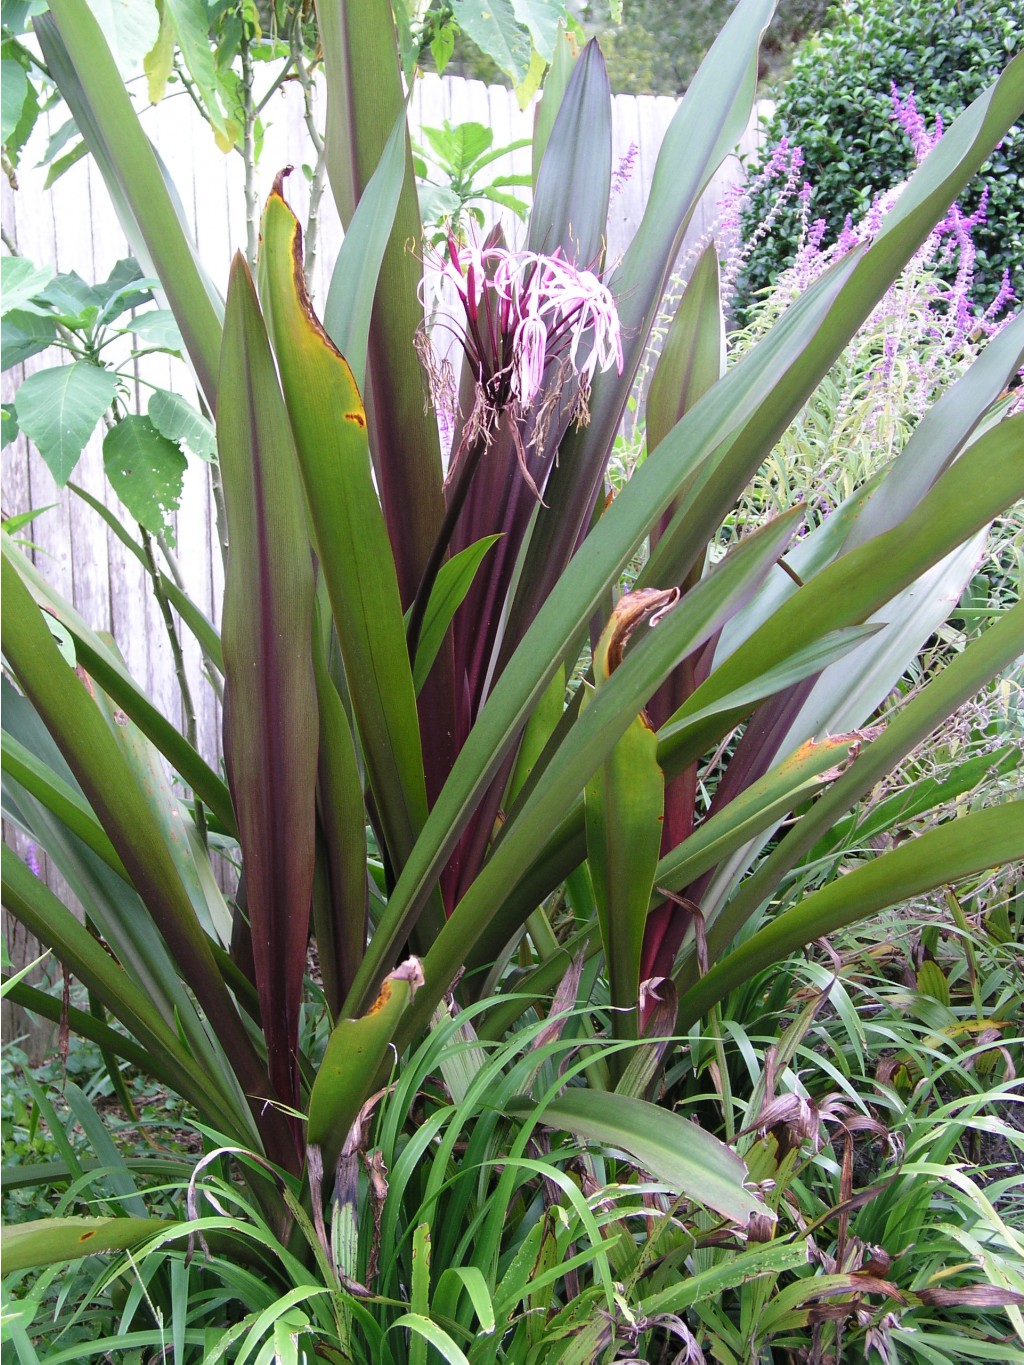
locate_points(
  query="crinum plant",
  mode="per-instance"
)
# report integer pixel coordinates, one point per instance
(421, 774)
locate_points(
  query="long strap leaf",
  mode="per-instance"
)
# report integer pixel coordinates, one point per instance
(92, 753)
(970, 844)
(79, 60)
(270, 710)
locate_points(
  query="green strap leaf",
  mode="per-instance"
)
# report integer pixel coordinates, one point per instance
(108, 670)
(84, 738)
(365, 100)
(570, 211)
(53, 1241)
(59, 797)
(341, 932)
(454, 580)
(328, 421)
(355, 1052)
(79, 60)
(271, 719)
(32, 903)
(349, 306)
(624, 805)
(973, 843)
(675, 1150)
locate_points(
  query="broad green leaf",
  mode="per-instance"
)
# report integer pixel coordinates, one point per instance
(457, 148)
(685, 1157)
(11, 432)
(176, 419)
(26, 115)
(24, 334)
(356, 1050)
(157, 327)
(21, 281)
(146, 471)
(14, 89)
(79, 60)
(124, 288)
(454, 579)
(159, 60)
(58, 410)
(271, 717)
(74, 301)
(542, 18)
(959, 848)
(130, 28)
(442, 45)
(53, 1241)
(329, 426)
(191, 26)
(494, 27)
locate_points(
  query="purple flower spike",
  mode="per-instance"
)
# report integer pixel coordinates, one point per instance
(32, 860)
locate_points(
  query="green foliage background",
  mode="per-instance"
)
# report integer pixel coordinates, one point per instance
(659, 44)
(837, 107)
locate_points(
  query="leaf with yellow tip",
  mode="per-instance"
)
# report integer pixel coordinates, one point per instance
(624, 803)
(356, 1051)
(328, 422)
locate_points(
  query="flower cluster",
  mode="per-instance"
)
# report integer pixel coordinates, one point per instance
(530, 321)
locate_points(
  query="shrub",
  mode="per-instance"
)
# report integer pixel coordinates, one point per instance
(837, 106)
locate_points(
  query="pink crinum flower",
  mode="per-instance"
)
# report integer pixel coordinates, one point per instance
(530, 318)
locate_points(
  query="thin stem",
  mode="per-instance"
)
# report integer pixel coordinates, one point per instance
(220, 509)
(316, 188)
(211, 672)
(188, 705)
(249, 152)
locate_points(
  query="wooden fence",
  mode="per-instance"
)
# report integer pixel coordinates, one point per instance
(73, 227)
